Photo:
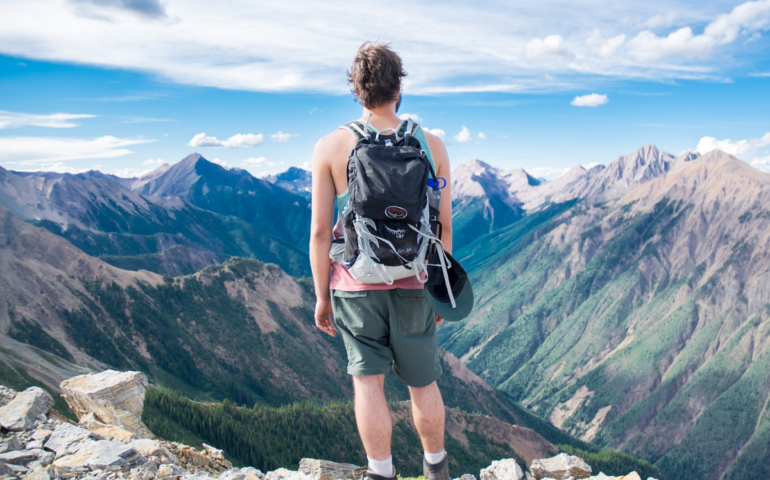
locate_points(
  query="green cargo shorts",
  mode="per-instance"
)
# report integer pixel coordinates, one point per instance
(385, 329)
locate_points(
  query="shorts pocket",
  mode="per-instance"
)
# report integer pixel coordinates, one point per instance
(352, 310)
(414, 313)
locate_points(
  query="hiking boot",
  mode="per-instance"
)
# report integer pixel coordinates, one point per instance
(376, 476)
(438, 471)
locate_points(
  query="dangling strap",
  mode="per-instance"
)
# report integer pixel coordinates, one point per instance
(443, 259)
(355, 128)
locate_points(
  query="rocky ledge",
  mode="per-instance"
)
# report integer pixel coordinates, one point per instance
(111, 442)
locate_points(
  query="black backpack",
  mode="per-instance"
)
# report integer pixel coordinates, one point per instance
(391, 208)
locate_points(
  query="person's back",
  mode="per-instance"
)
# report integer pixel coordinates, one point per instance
(385, 325)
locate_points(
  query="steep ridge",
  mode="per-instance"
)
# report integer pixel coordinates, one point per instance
(163, 234)
(640, 322)
(486, 199)
(295, 180)
(236, 192)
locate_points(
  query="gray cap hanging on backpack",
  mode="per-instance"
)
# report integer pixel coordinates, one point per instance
(454, 305)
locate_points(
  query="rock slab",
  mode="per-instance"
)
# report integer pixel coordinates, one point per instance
(325, 470)
(114, 398)
(21, 412)
(560, 467)
(506, 469)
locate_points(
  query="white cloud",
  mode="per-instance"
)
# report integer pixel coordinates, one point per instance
(746, 19)
(738, 148)
(236, 141)
(282, 137)
(219, 162)
(410, 116)
(545, 47)
(589, 166)
(751, 150)
(481, 136)
(51, 120)
(493, 46)
(58, 167)
(464, 136)
(436, 131)
(548, 173)
(132, 172)
(591, 100)
(155, 161)
(49, 150)
(307, 166)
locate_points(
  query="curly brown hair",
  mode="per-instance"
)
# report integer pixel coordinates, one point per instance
(376, 75)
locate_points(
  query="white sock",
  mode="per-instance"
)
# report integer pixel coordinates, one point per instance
(434, 458)
(381, 467)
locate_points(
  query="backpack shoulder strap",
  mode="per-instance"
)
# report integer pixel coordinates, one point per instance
(356, 128)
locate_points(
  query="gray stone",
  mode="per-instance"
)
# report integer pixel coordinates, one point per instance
(38, 472)
(168, 470)
(10, 444)
(22, 412)
(46, 458)
(21, 457)
(5, 469)
(67, 439)
(197, 476)
(466, 476)
(325, 470)
(284, 474)
(506, 469)
(560, 467)
(252, 473)
(101, 454)
(114, 398)
(149, 448)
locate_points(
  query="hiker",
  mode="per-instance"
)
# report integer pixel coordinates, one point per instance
(384, 314)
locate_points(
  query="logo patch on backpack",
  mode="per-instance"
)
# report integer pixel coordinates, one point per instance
(396, 232)
(395, 212)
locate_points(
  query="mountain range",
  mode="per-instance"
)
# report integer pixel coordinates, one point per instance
(175, 220)
(629, 305)
(624, 304)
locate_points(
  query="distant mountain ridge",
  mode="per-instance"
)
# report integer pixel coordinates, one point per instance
(295, 180)
(99, 214)
(236, 192)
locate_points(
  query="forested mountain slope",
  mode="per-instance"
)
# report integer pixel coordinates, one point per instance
(167, 235)
(640, 323)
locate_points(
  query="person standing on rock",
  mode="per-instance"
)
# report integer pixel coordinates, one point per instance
(388, 324)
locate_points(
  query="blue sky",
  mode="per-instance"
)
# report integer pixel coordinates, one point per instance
(122, 85)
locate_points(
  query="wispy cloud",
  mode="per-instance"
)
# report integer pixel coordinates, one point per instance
(501, 48)
(253, 162)
(437, 132)
(51, 120)
(282, 137)
(239, 140)
(40, 151)
(547, 173)
(145, 120)
(153, 161)
(591, 100)
(464, 136)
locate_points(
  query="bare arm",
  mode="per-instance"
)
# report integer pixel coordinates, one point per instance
(441, 159)
(321, 233)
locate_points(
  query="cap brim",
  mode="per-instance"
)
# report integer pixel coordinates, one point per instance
(464, 303)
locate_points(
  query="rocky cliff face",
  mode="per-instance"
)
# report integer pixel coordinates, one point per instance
(638, 322)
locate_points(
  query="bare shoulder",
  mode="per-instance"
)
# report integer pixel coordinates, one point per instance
(438, 150)
(332, 144)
